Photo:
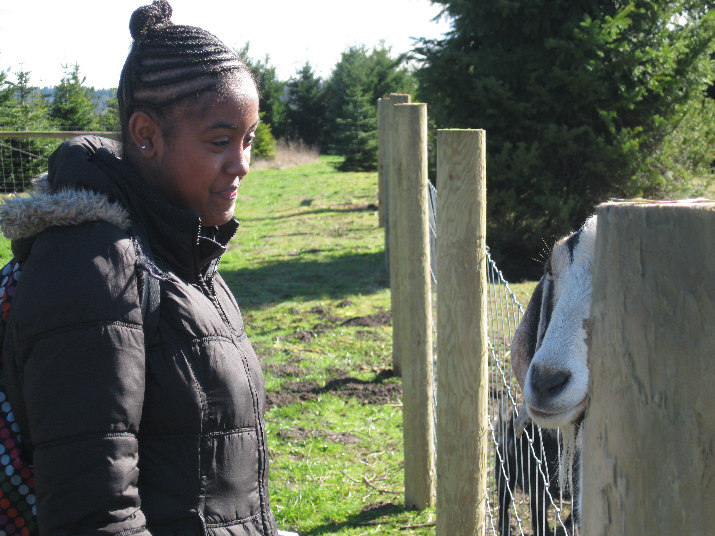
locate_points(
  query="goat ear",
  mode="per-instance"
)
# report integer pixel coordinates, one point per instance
(523, 345)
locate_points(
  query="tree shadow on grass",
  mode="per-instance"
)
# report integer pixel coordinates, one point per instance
(309, 279)
(333, 209)
(365, 518)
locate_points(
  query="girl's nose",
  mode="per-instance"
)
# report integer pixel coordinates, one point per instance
(239, 162)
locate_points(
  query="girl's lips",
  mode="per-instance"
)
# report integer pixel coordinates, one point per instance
(229, 193)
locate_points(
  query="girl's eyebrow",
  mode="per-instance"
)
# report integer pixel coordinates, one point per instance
(221, 124)
(227, 125)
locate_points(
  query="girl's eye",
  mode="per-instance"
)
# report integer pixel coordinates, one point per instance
(221, 142)
(250, 138)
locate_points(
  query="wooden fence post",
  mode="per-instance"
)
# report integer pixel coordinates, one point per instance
(462, 374)
(391, 170)
(412, 326)
(649, 432)
(382, 105)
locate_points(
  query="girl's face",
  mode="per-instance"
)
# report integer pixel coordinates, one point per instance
(206, 153)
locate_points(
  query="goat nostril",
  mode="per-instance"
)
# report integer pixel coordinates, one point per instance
(551, 383)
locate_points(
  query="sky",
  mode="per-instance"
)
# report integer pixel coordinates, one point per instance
(40, 36)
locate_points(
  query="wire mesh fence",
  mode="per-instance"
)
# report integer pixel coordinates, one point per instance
(523, 495)
(21, 159)
(24, 155)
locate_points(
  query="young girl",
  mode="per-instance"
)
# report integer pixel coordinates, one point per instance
(137, 431)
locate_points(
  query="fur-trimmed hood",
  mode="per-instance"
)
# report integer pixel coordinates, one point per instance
(26, 216)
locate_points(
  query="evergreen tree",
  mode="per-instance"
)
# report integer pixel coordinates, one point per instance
(305, 106)
(264, 146)
(6, 89)
(271, 91)
(108, 120)
(72, 107)
(356, 132)
(351, 93)
(22, 158)
(25, 92)
(19, 107)
(581, 101)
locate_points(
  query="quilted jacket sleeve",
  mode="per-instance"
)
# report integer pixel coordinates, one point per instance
(77, 361)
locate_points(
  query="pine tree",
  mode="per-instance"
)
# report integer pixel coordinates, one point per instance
(25, 91)
(351, 93)
(581, 101)
(305, 106)
(108, 120)
(356, 132)
(271, 90)
(23, 158)
(264, 146)
(72, 107)
(6, 89)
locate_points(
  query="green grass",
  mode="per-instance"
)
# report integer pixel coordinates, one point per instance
(308, 259)
(307, 267)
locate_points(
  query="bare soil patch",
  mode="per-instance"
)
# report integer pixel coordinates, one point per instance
(285, 369)
(383, 318)
(374, 391)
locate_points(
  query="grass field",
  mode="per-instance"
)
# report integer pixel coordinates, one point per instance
(308, 268)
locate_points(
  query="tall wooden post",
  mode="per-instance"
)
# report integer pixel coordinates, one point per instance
(649, 434)
(412, 322)
(462, 374)
(391, 171)
(382, 155)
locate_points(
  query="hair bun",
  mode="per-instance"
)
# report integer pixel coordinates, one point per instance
(151, 17)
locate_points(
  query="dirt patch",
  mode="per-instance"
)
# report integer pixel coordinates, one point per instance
(375, 391)
(324, 314)
(299, 433)
(303, 335)
(284, 370)
(383, 318)
(307, 335)
(380, 509)
(330, 322)
(367, 392)
(291, 392)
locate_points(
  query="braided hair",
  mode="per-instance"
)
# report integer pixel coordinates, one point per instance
(168, 63)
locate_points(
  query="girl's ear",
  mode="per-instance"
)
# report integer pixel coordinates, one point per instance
(144, 133)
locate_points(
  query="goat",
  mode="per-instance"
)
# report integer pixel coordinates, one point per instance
(517, 466)
(549, 355)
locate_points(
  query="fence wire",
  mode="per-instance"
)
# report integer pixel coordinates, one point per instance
(22, 159)
(523, 495)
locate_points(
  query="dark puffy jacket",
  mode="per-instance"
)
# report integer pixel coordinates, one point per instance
(167, 440)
